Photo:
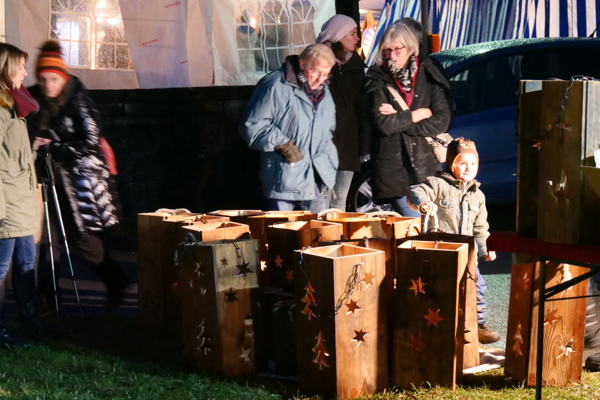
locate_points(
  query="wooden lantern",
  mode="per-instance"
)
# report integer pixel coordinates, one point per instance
(358, 227)
(218, 297)
(287, 237)
(429, 331)
(158, 303)
(564, 325)
(341, 321)
(555, 203)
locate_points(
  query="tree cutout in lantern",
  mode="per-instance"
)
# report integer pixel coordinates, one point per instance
(246, 354)
(321, 351)
(191, 284)
(175, 287)
(231, 296)
(518, 338)
(360, 336)
(278, 260)
(417, 343)
(310, 302)
(289, 275)
(249, 331)
(433, 317)
(204, 339)
(418, 286)
(198, 269)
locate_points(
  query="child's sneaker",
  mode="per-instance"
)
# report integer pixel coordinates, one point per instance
(487, 336)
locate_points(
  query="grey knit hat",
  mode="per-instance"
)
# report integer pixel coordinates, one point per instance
(336, 28)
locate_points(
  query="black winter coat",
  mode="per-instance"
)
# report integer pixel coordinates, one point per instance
(81, 173)
(351, 133)
(401, 155)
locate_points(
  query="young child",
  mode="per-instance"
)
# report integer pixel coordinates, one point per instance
(455, 198)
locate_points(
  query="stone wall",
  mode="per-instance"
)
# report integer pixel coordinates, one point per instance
(180, 148)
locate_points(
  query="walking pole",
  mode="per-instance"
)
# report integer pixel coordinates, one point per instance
(50, 174)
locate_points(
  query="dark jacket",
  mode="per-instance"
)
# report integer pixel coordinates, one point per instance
(81, 170)
(401, 155)
(18, 209)
(351, 132)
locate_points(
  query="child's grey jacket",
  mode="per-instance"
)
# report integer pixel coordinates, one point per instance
(461, 206)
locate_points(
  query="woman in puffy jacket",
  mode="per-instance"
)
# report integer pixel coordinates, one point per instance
(69, 125)
(400, 153)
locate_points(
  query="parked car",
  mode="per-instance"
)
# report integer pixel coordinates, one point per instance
(484, 80)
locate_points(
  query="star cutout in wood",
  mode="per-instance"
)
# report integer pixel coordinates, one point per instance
(278, 260)
(368, 278)
(198, 269)
(352, 307)
(418, 286)
(289, 275)
(551, 317)
(202, 291)
(244, 269)
(246, 354)
(416, 343)
(231, 296)
(518, 338)
(360, 336)
(433, 317)
(224, 261)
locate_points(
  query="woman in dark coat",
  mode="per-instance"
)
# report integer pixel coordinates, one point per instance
(69, 125)
(400, 153)
(346, 84)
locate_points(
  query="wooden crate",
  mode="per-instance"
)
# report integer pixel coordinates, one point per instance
(285, 238)
(428, 331)
(468, 313)
(343, 354)
(158, 302)
(219, 305)
(564, 325)
(551, 184)
(360, 226)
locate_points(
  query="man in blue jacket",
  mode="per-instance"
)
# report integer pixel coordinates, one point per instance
(291, 119)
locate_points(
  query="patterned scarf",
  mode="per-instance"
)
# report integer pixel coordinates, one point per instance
(404, 77)
(315, 95)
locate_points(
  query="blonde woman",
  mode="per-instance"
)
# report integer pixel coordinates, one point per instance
(401, 155)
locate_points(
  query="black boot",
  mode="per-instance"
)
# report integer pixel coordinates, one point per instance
(7, 339)
(115, 280)
(24, 292)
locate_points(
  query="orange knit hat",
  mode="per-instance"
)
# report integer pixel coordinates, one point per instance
(50, 60)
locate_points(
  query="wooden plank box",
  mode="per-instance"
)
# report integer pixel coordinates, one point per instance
(555, 203)
(219, 305)
(428, 330)
(341, 354)
(358, 227)
(469, 312)
(564, 325)
(287, 237)
(157, 241)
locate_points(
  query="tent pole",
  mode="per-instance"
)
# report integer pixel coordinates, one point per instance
(426, 25)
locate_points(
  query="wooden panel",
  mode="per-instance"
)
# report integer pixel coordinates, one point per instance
(429, 339)
(530, 128)
(217, 305)
(343, 354)
(519, 320)
(468, 312)
(285, 238)
(564, 324)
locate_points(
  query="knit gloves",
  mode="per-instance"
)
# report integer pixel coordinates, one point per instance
(289, 152)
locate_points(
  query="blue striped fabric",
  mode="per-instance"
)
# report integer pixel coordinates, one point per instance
(462, 22)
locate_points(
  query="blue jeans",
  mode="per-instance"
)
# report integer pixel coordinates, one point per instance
(400, 205)
(21, 251)
(315, 206)
(482, 312)
(343, 180)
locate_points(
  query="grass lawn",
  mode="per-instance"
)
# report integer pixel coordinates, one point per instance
(119, 360)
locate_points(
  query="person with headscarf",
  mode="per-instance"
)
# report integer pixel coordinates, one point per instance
(346, 84)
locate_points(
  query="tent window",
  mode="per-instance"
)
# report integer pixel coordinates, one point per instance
(91, 33)
(268, 31)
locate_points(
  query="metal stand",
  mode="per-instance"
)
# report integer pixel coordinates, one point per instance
(48, 180)
(545, 295)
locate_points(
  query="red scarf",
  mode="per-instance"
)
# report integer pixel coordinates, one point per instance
(25, 104)
(407, 96)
